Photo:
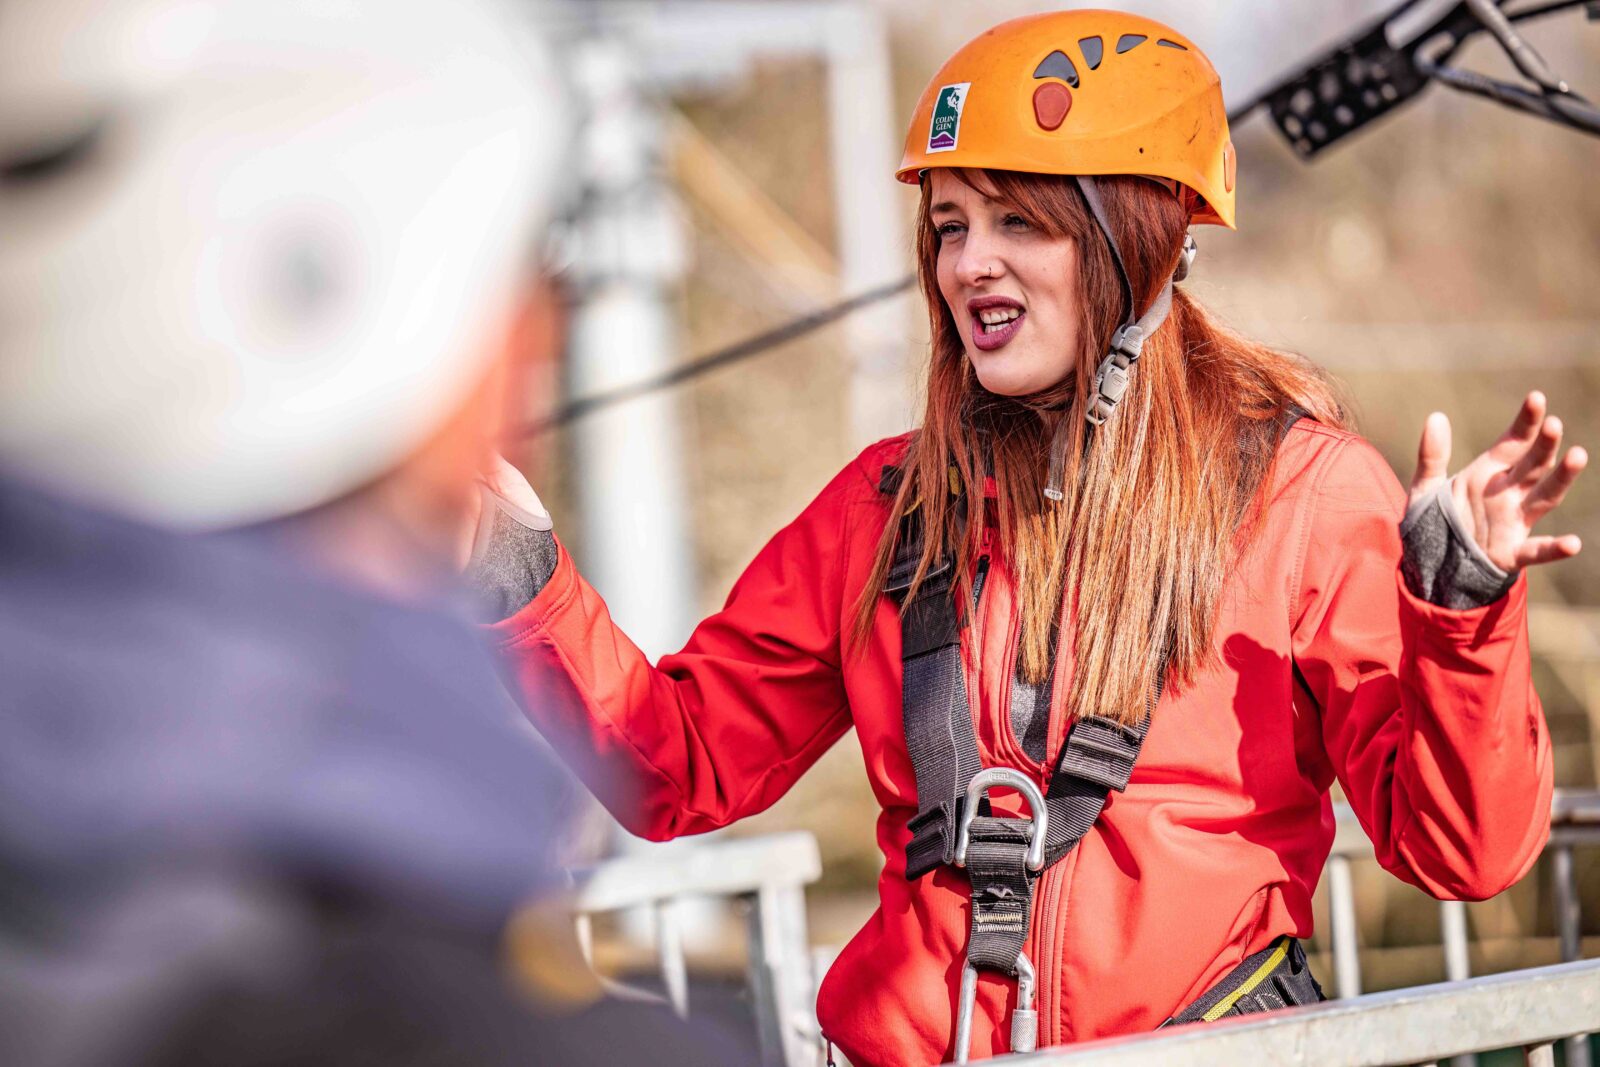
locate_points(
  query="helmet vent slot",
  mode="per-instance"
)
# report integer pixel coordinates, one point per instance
(1164, 43)
(1057, 65)
(1093, 51)
(1129, 41)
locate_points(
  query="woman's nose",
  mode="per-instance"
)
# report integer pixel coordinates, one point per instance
(978, 263)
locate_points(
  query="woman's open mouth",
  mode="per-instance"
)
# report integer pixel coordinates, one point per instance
(995, 320)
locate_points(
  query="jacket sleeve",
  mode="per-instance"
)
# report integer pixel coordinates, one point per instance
(1428, 714)
(719, 730)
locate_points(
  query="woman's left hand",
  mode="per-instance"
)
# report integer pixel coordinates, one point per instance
(1506, 490)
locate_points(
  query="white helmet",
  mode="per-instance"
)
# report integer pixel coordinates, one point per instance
(255, 252)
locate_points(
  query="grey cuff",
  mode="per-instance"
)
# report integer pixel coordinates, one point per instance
(1441, 562)
(513, 557)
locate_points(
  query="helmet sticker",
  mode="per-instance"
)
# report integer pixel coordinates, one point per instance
(945, 129)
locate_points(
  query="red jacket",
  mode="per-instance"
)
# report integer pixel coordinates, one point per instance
(1327, 668)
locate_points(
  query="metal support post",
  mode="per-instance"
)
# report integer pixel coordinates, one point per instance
(780, 976)
(1540, 1055)
(1342, 909)
(1457, 960)
(669, 947)
(629, 258)
(873, 249)
(1569, 925)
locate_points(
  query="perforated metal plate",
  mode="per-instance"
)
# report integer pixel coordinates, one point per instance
(1349, 88)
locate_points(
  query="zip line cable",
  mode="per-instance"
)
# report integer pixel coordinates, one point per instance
(722, 357)
(734, 353)
(1548, 97)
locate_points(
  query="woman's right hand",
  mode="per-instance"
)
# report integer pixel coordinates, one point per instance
(505, 481)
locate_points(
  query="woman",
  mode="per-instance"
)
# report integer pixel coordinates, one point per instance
(1135, 559)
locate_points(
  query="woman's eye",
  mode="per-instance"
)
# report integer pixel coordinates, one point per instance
(1014, 222)
(948, 229)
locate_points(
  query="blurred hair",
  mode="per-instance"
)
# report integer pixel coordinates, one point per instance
(1159, 500)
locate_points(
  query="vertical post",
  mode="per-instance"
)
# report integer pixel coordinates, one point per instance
(865, 142)
(1457, 960)
(629, 252)
(629, 256)
(1540, 1055)
(780, 977)
(1342, 916)
(669, 948)
(1569, 920)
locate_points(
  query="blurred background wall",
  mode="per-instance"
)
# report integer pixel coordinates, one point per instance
(1443, 259)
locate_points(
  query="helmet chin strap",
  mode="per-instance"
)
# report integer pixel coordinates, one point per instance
(1116, 369)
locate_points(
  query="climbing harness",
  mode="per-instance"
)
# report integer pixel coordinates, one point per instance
(1003, 856)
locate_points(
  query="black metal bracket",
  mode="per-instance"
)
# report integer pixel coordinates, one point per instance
(1363, 79)
(1358, 82)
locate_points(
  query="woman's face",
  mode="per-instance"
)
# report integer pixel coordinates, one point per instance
(1012, 289)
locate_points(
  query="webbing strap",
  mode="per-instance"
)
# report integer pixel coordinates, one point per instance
(1097, 757)
(1097, 210)
(1002, 891)
(935, 713)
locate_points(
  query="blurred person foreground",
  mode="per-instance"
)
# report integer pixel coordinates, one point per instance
(263, 288)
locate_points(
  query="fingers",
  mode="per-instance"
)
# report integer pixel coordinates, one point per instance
(1540, 456)
(1537, 550)
(1552, 489)
(509, 482)
(1529, 416)
(1433, 453)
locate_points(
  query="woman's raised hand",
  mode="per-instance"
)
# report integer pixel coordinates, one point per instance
(1506, 490)
(504, 479)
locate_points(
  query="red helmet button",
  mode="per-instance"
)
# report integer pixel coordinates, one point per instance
(1051, 102)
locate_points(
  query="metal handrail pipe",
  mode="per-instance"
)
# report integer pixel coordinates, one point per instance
(1575, 807)
(1404, 1026)
(1574, 816)
(711, 869)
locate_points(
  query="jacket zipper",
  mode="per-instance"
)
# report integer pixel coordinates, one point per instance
(1047, 930)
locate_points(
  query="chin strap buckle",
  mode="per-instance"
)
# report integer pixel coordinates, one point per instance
(1111, 381)
(1127, 344)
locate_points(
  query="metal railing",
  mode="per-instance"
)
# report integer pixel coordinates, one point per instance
(1530, 1009)
(1574, 822)
(766, 877)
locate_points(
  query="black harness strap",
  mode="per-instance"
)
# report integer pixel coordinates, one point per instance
(935, 712)
(1097, 757)
(1002, 891)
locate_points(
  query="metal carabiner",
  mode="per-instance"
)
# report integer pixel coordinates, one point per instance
(981, 783)
(1024, 1019)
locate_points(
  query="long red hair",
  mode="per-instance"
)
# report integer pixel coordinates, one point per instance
(1158, 500)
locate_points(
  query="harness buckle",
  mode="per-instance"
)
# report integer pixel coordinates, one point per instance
(981, 783)
(1024, 1018)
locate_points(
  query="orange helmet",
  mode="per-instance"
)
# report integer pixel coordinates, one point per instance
(1080, 92)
